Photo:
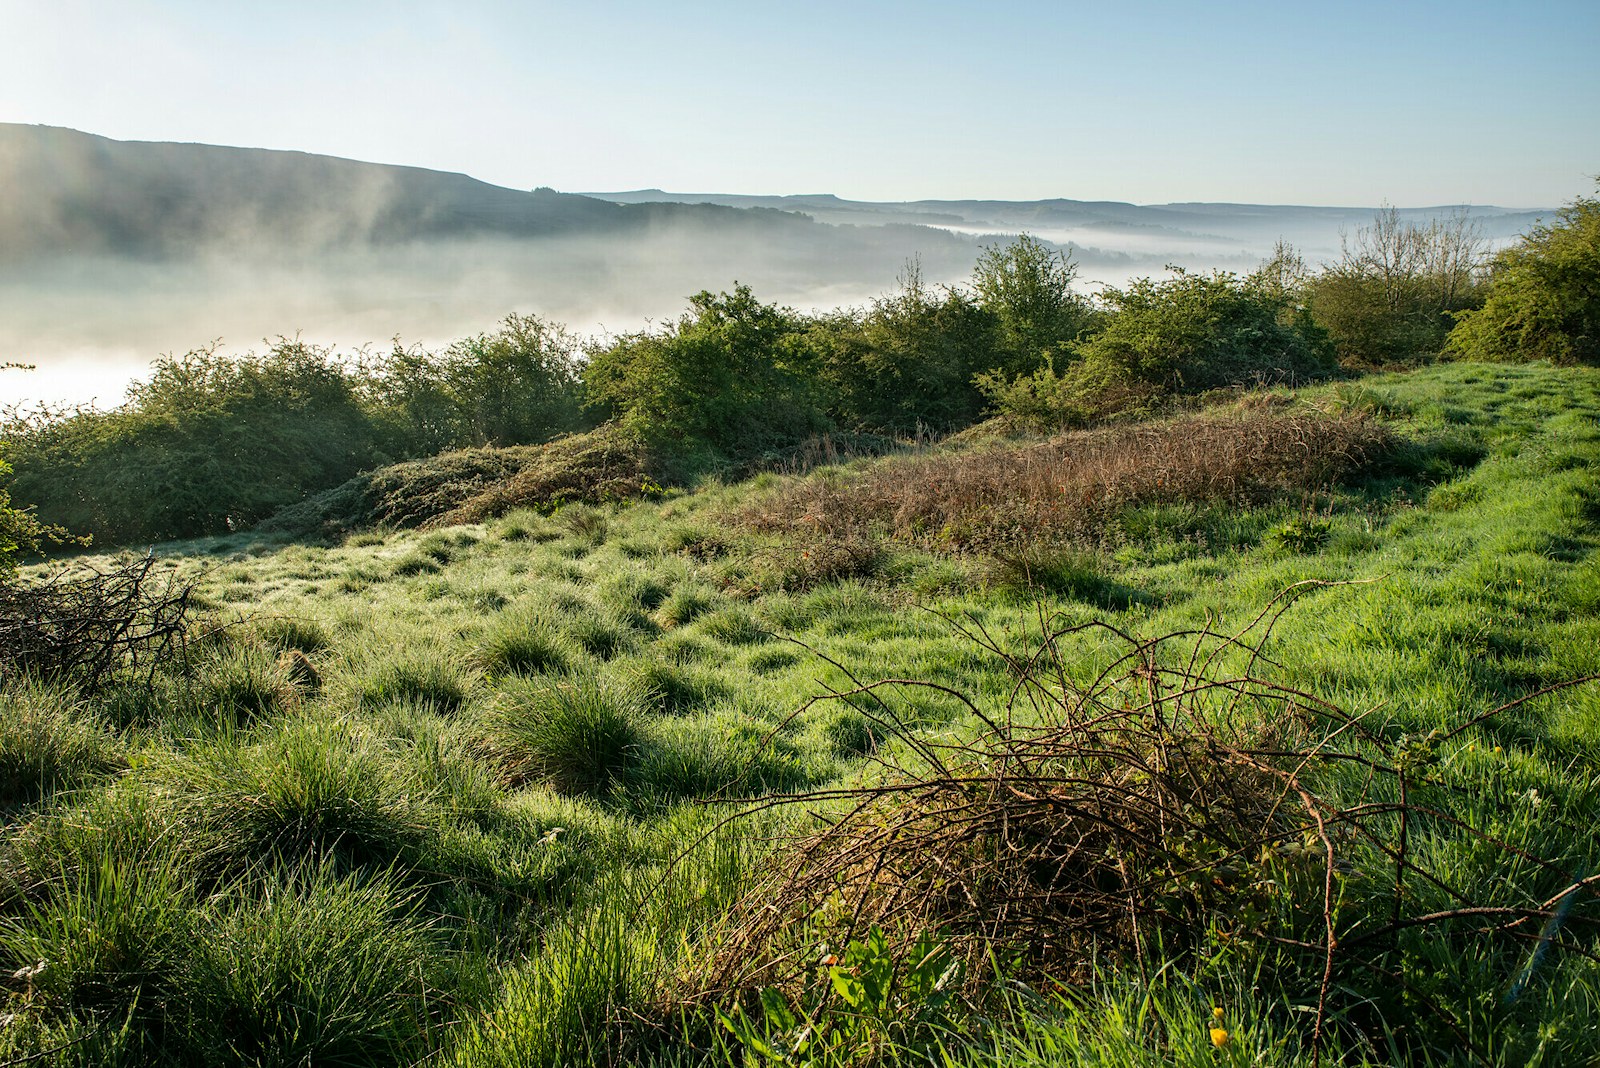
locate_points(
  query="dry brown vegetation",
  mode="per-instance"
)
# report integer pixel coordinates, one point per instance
(87, 624)
(1000, 497)
(470, 485)
(1179, 798)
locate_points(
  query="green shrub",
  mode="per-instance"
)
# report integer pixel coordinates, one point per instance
(728, 379)
(1544, 295)
(1196, 332)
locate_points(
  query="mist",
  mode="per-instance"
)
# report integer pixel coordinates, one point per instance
(89, 327)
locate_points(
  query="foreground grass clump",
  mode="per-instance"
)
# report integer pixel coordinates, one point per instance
(306, 790)
(575, 733)
(50, 742)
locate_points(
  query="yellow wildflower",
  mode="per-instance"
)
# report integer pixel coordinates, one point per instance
(1219, 1036)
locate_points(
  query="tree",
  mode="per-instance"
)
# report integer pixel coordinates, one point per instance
(1544, 295)
(1027, 286)
(1393, 294)
(1194, 332)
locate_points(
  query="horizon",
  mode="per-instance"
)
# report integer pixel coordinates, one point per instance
(815, 194)
(1158, 102)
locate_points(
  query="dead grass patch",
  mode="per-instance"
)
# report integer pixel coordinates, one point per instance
(999, 498)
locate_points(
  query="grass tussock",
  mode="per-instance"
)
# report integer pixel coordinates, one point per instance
(577, 734)
(995, 498)
(49, 743)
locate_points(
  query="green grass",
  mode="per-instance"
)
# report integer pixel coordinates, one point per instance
(485, 831)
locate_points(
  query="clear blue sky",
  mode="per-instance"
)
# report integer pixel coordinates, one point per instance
(1329, 103)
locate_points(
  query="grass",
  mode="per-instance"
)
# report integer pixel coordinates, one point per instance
(486, 830)
(577, 734)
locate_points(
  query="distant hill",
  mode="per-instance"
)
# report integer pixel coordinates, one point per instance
(1109, 226)
(71, 193)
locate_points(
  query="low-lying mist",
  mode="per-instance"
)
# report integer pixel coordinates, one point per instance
(90, 326)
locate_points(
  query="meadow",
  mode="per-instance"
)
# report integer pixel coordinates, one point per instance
(1253, 720)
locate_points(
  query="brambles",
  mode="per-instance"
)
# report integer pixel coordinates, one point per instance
(1176, 803)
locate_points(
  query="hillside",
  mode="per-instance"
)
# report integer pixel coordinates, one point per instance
(71, 193)
(1103, 230)
(466, 794)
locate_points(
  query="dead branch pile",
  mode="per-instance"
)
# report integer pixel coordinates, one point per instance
(1165, 802)
(89, 625)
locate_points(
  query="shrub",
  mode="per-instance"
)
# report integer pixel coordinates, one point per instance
(1027, 286)
(210, 443)
(1396, 287)
(1544, 295)
(1196, 332)
(728, 379)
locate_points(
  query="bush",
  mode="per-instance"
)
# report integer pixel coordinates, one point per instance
(728, 380)
(1544, 295)
(907, 364)
(1027, 287)
(1393, 294)
(516, 386)
(211, 443)
(1194, 332)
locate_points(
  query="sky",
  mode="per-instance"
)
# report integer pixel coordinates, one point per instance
(1149, 101)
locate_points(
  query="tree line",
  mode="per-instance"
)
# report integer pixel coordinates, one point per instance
(212, 443)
